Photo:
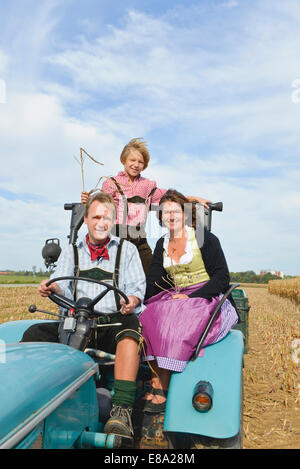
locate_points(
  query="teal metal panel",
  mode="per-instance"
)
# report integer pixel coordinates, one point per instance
(32, 376)
(12, 332)
(67, 424)
(33, 440)
(221, 365)
(80, 412)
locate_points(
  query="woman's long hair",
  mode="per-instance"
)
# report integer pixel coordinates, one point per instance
(187, 206)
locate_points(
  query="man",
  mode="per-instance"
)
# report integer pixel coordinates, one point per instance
(97, 254)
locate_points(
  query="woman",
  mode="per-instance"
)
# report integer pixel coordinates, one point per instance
(185, 284)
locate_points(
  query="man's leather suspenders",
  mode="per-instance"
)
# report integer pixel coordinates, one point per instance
(115, 274)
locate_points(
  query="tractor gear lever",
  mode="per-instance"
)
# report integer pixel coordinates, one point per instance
(33, 309)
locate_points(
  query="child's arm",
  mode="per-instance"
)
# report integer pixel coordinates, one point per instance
(160, 192)
(84, 197)
(108, 186)
(204, 202)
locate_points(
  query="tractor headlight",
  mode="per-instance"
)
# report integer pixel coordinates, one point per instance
(203, 396)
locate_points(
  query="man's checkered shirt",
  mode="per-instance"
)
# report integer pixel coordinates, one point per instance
(132, 279)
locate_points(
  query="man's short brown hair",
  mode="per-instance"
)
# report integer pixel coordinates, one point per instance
(103, 198)
(139, 145)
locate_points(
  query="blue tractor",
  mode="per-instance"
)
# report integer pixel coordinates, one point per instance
(58, 395)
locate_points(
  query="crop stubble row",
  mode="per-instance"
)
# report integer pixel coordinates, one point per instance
(271, 373)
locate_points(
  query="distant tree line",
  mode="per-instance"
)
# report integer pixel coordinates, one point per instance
(251, 277)
(26, 273)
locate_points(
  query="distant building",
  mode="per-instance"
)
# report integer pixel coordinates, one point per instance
(278, 273)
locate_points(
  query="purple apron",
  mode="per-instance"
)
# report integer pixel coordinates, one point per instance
(172, 328)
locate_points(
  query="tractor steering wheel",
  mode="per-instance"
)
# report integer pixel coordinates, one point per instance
(65, 302)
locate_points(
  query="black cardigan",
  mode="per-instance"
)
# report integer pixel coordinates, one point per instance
(214, 262)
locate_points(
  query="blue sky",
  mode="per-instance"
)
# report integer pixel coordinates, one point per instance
(211, 85)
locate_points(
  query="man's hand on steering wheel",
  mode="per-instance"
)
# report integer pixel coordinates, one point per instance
(45, 291)
(128, 308)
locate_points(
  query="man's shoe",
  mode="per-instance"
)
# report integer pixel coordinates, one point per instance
(119, 422)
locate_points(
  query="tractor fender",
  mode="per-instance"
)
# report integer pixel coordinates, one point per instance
(12, 332)
(221, 365)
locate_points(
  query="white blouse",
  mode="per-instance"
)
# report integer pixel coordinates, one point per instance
(187, 257)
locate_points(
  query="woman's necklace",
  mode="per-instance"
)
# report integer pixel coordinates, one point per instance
(177, 247)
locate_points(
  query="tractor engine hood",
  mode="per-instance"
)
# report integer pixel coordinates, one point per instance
(34, 376)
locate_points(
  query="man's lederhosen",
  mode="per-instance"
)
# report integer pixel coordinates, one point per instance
(135, 234)
(106, 338)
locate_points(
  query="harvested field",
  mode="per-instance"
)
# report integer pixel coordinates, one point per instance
(271, 373)
(254, 285)
(14, 302)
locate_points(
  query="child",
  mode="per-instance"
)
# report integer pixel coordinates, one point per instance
(134, 195)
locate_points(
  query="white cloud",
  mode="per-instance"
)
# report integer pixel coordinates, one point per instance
(3, 63)
(230, 4)
(24, 229)
(40, 142)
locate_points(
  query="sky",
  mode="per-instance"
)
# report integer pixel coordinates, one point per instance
(213, 86)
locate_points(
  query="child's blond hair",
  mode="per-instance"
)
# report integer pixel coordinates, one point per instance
(138, 144)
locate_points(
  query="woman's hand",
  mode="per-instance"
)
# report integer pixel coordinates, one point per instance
(84, 197)
(179, 296)
(128, 308)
